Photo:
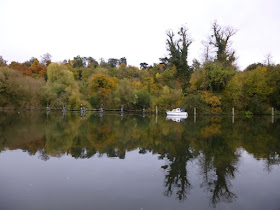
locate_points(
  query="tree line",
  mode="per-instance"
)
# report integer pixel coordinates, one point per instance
(213, 85)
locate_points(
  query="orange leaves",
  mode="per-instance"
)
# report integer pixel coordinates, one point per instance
(213, 101)
(35, 69)
(20, 67)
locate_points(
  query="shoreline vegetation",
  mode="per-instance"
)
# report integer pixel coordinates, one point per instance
(134, 111)
(213, 85)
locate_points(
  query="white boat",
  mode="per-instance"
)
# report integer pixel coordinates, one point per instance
(177, 112)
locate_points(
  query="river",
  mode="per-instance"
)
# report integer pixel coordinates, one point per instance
(109, 161)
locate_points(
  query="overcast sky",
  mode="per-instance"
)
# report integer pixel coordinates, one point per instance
(134, 29)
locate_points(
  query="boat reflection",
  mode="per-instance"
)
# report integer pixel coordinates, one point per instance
(176, 118)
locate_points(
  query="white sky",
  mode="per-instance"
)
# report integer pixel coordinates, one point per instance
(133, 29)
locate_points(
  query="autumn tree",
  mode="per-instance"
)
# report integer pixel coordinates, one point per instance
(178, 53)
(25, 70)
(38, 68)
(256, 90)
(29, 62)
(61, 88)
(125, 94)
(249, 90)
(79, 63)
(233, 95)
(220, 40)
(169, 98)
(18, 91)
(101, 87)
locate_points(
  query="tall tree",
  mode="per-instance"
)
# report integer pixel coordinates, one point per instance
(91, 62)
(143, 65)
(79, 62)
(123, 60)
(36, 67)
(46, 59)
(178, 53)
(2, 61)
(220, 40)
(113, 62)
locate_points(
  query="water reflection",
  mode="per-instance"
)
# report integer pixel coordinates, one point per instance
(213, 142)
(176, 118)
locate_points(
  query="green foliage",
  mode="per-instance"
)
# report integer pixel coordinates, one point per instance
(274, 84)
(249, 90)
(125, 95)
(253, 66)
(101, 88)
(94, 102)
(233, 94)
(61, 88)
(178, 54)
(167, 77)
(220, 40)
(199, 80)
(169, 98)
(256, 90)
(248, 114)
(218, 76)
(213, 76)
(195, 100)
(143, 99)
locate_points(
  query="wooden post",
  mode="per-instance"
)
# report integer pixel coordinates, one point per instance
(156, 119)
(194, 111)
(232, 111)
(272, 114)
(156, 110)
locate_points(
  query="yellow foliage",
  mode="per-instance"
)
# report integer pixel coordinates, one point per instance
(198, 80)
(102, 83)
(213, 101)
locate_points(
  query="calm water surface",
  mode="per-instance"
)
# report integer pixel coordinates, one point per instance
(135, 162)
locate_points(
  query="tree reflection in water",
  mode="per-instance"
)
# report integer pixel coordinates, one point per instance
(176, 178)
(218, 159)
(212, 142)
(218, 164)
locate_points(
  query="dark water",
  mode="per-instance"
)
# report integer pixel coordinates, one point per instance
(135, 162)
